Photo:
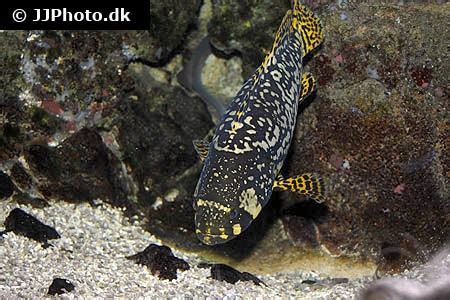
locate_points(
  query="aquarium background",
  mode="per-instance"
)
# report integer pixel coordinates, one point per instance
(96, 131)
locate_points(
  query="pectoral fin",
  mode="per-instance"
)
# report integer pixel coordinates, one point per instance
(309, 85)
(310, 185)
(202, 148)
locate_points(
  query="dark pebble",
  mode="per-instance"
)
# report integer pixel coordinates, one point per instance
(339, 280)
(25, 224)
(161, 261)
(60, 286)
(204, 265)
(6, 186)
(25, 199)
(309, 281)
(226, 273)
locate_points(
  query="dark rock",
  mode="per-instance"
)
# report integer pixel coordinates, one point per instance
(247, 27)
(20, 124)
(81, 168)
(161, 261)
(204, 265)
(60, 286)
(309, 281)
(10, 61)
(22, 223)
(226, 273)
(157, 125)
(26, 199)
(11, 134)
(169, 26)
(6, 186)
(23, 180)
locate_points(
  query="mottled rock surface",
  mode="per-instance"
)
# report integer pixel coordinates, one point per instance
(247, 28)
(376, 132)
(170, 23)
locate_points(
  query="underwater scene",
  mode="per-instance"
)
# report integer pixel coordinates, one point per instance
(250, 149)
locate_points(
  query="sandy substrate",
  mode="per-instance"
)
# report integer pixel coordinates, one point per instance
(91, 254)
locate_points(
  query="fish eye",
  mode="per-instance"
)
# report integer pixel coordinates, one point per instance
(233, 214)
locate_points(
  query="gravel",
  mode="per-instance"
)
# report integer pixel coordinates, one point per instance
(92, 251)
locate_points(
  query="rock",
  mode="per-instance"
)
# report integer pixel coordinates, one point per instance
(434, 282)
(161, 261)
(60, 286)
(6, 186)
(26, 199)
(11, 133)
(156, 126)
(22, 223)
(377, 137)
(68, 72)
(226, 273)
(10, 62)
(23, 180)
(16, 119)
(246, 27)
(81, 168)
(169, 26)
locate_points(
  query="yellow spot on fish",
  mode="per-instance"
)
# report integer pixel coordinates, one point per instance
(249, 202)
(223, 236)
(235, 126)
(213, 204)
(237, 229)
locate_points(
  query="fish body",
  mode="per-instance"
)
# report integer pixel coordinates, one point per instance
(244, 158)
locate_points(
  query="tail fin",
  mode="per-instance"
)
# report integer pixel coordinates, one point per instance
(308, 25)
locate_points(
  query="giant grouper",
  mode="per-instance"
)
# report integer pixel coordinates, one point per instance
(242, 162)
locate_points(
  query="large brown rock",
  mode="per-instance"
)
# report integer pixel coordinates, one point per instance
(377, 133)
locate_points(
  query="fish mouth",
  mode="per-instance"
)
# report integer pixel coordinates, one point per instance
(213, 239)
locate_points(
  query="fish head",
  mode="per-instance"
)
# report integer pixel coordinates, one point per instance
(218, 223)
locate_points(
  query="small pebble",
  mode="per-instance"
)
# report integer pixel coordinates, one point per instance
(60, 286)
(226, 273)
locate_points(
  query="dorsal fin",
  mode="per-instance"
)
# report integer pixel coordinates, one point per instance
(308, 25)
(202, 148)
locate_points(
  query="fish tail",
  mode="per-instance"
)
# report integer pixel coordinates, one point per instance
(308, 25)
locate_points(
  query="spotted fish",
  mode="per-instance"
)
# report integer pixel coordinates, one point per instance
(243, 161)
